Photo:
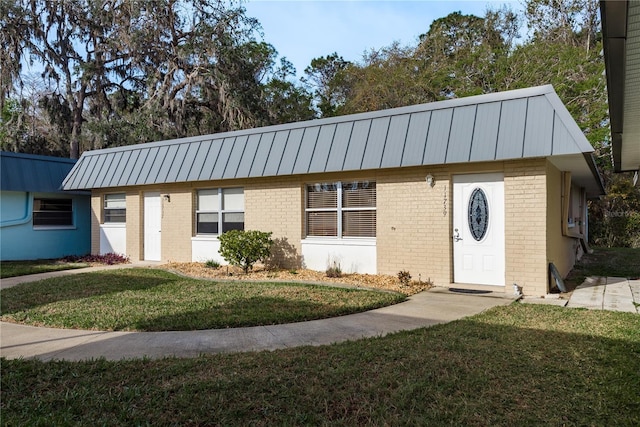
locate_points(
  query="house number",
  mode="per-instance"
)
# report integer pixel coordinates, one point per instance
(444, 201)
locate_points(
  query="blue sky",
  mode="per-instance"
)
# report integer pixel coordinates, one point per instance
(305, 29)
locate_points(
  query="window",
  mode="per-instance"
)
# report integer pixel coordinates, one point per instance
(345, 209)
(115, 208)
(573, 208)
(219, 210)
(53, 212)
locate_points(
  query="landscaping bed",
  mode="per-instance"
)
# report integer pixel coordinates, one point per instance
(260, 273)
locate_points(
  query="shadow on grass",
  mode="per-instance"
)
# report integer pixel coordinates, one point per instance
(509, 366)
(85, 285)
(247, 312)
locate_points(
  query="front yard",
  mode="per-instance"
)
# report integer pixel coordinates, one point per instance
(154, 300)
(514, 365)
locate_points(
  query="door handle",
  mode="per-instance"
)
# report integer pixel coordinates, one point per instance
(456, 235)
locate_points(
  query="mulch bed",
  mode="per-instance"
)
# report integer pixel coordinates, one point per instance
(365, 281)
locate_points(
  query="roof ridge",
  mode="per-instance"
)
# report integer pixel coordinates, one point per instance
(429, 106)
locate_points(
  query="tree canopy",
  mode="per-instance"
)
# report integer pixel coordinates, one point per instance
(83, 74)
(119, 72)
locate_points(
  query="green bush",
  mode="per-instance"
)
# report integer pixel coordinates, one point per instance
(245, 248)
(212, 264)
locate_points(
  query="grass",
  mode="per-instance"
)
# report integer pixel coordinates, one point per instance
(514, 365)
(22, 268)
(155, 300)
(607, 262)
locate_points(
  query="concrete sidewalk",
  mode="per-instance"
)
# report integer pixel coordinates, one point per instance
(432, 307)
(10, 282)
(597, 293)
(607, 293)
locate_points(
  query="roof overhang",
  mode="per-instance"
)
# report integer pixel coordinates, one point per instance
(584, 172)
(621, 42)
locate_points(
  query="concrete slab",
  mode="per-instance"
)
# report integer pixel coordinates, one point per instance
(618, 296)
(589, 294)
(421, 310)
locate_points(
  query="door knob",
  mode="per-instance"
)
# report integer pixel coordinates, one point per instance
(456, 235)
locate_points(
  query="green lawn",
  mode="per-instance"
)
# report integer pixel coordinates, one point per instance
(155, 300)
(611, 262)
(514, 365)
(22, 268)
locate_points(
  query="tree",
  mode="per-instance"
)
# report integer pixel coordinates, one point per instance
(74, 44)
(284, 101)
(460, 55)
(325, 80)
(573, 22)
(24, 126)
(124, 72)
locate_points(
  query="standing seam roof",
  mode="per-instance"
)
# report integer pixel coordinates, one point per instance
(33, 173)
(522, 123)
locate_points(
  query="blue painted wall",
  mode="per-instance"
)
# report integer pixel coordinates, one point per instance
(20, 241)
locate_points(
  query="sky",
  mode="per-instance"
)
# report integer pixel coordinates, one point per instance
(305, 29)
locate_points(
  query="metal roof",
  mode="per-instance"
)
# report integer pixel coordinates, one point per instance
(621, 42)
(516, 124)
(33, 173)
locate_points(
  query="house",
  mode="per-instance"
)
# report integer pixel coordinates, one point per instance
(482, 192)
(621, 42)
(37, 219)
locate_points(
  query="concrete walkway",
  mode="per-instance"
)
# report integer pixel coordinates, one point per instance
(607, 293)
(597, 293)
(432, 307)
(10, 282)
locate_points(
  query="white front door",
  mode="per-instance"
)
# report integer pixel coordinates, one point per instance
(152, 226)
(478, 229)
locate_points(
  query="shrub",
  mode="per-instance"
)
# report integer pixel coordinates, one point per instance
(334, 270)
(245, 248)
(404, 277)
(109, 259)
(212, 264)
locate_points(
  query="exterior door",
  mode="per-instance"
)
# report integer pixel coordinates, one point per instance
(152, 226)
(478, 229)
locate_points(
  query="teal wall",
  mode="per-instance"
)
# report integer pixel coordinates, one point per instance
(20, 241)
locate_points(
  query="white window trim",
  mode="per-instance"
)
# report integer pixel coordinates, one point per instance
(345, 241)
(105, 209)
(338, 209)
(220, 211)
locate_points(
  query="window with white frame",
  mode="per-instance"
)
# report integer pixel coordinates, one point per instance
(52, 212)
(341, 209)
(573, 207)
(219, 210)
(115, 208)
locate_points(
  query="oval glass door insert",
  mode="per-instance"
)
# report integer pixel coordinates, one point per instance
(478, 214)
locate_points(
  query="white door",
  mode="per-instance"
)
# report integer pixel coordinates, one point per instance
(152, 222)
(478, 229)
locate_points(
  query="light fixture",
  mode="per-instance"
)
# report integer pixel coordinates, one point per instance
(430, 180)
(167, 197)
